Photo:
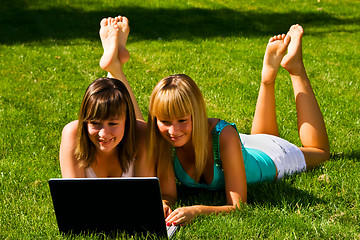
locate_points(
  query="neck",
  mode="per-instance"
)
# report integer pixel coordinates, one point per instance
(106, 155)
(186, 153)
(187, 147)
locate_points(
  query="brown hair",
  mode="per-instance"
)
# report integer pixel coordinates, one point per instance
(106, 98)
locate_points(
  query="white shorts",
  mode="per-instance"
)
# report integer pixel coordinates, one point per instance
(287, 157)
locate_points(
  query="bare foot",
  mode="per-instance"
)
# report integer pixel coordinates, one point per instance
(109, 35)
(275, 51)
(293, 61)
(123, 27)
(113, 34)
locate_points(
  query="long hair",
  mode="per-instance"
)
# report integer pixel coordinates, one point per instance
(174, 97)
(106, 98)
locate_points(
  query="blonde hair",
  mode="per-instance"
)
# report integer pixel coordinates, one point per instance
(174, 97)
(106, 98)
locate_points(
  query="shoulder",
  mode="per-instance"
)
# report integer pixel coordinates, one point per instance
(70, 128)
(141, 126)
(68, 136)
(141, 132)
(229, 145)
(222, 127)
(229, 135)
(212, 123)
(68, 163)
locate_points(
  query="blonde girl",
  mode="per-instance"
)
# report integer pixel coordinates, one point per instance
(209, 153)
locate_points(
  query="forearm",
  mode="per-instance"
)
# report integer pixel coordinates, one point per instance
(201, 209)
(185, 215)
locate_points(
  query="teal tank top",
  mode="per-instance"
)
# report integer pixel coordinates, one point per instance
(259, 167)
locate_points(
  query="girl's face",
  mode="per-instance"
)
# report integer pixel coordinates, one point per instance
(177, 132)
(106, 135)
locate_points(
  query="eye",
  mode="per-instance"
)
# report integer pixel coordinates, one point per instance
(94, 123)
(184, 119)
(113, 123)
(164, 122)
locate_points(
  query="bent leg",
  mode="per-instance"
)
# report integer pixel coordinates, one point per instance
(311, 126)
(264, 121)
(113, 34)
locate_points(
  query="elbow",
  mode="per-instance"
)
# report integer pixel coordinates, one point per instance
(237, 205)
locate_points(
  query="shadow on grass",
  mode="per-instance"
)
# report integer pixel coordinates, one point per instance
(354, 155)
(269, 194)
(280, 192)
(22, 25)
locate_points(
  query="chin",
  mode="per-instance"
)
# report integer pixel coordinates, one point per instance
(106, 148)
(177, 143)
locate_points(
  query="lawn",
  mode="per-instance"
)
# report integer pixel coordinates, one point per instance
(49, 53)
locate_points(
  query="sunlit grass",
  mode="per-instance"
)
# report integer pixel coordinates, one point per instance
(49, 53)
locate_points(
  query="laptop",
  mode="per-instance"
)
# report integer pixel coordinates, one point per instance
(109, 205)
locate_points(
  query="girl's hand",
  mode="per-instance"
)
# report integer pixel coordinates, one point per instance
(182, 216)
(167, 209)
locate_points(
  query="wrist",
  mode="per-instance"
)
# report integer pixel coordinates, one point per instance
(197, 210)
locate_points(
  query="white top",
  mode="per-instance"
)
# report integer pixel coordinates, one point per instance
(90, 173)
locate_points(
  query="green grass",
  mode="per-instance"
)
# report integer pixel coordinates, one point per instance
(49, 53)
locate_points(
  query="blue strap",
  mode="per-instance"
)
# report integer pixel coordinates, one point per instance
(216, 140)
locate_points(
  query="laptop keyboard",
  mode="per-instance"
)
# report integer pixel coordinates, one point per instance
(171, 230)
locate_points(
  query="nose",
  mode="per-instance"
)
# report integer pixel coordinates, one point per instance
(172, 129)
(103, 132)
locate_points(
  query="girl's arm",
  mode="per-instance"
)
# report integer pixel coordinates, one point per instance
(168, 191)
(235, 181)
(68, 163)
(233, 165)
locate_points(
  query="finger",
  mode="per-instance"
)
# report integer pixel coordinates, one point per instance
(180, 221)
(172, 217)
(167, 211)
(169, 217)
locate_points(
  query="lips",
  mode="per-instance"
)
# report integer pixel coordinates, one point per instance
(105, 141)
(175, 138)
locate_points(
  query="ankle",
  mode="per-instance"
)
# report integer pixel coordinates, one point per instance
(124, 56)
(268, 74)
(297, 69)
